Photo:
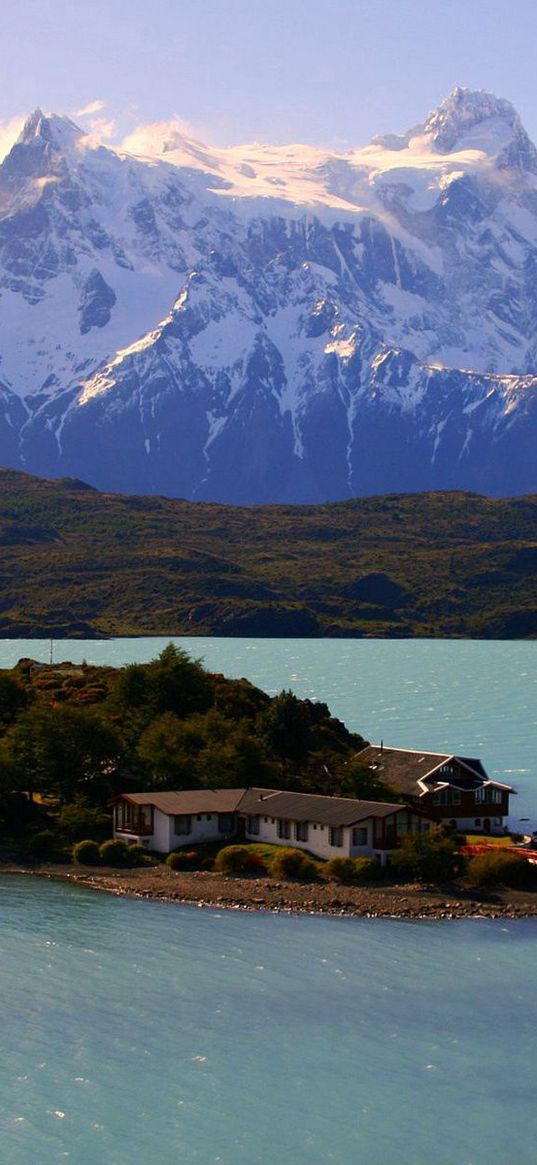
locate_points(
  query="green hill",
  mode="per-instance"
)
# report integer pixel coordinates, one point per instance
(76, 562)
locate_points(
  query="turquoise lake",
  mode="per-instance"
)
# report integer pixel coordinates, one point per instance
(137, 1032)
(475, 697)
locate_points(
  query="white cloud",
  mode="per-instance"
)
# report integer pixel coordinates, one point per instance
(157, 136)
(98, 129)
(102, 128)
(91, 107)
(9, 132)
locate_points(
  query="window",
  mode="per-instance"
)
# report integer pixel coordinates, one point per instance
(486, 795)
(449, 796)
(301, 830)
(359, 835)
(209, 816)
(226, 823)
(182, 824)
(477, 822)
(200, 817)
(336, 835)
(132, 818)
(284, 828)
(252, 825)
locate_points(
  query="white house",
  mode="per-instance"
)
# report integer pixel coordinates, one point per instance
(324, 826)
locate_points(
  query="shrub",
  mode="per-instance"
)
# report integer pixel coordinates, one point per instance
(44, 844)
(86, 853)
(428, 857)
(342, 870)
(207, 864)
(114, 852)
(181, 859)
(367, 870)
(292, 863)
(500, 869)
(255, 864)
(137, 855)
(233, 859)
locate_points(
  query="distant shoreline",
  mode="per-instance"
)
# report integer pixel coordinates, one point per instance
(218, 892)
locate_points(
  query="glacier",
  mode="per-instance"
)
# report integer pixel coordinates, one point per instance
(259, 324)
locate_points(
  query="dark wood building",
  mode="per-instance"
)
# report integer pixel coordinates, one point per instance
(447, 788)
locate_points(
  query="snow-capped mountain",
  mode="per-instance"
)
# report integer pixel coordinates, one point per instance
(264, 323)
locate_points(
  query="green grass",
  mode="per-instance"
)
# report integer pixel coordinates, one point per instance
(487, 839)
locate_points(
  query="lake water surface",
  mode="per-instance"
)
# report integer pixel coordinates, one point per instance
(137, 1032)
(475, 697)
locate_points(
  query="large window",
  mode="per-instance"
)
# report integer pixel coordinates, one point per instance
(359, 835)
(336, 835)
(301, 830)
(182, 824)
(252, 826)
(448, 796)
(134, 818)
(486, 795)
(284, 828)
(226, 823)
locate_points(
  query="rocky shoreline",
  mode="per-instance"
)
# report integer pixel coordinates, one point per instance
(217, 891)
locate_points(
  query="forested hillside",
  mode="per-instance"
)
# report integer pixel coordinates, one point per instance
(75, 562)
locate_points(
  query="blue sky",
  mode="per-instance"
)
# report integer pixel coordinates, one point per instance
(330, 72)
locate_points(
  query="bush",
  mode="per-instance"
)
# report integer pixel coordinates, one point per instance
(500, 869)
(44, 845)
(207, 864)
(367, 870)
(342, 870)
(137, 855)
(114, 852)
(233, 859)
(86, 853)
(292, 863)
(428, 857)
(181, 859)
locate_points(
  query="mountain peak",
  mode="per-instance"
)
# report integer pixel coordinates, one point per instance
(465, 109)
(478, 119)
(56, 131)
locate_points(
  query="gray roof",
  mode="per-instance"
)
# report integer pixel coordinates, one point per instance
(190, 801)
(313, 807)
(401, 769)
(268, 802)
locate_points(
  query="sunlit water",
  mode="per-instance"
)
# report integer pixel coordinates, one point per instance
(136, 1032)
(474, 697)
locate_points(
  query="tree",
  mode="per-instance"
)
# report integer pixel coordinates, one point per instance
(169, 748)
(62, 752)
(286, 727)
(180, 684)
(12, 699)
(354, 779)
